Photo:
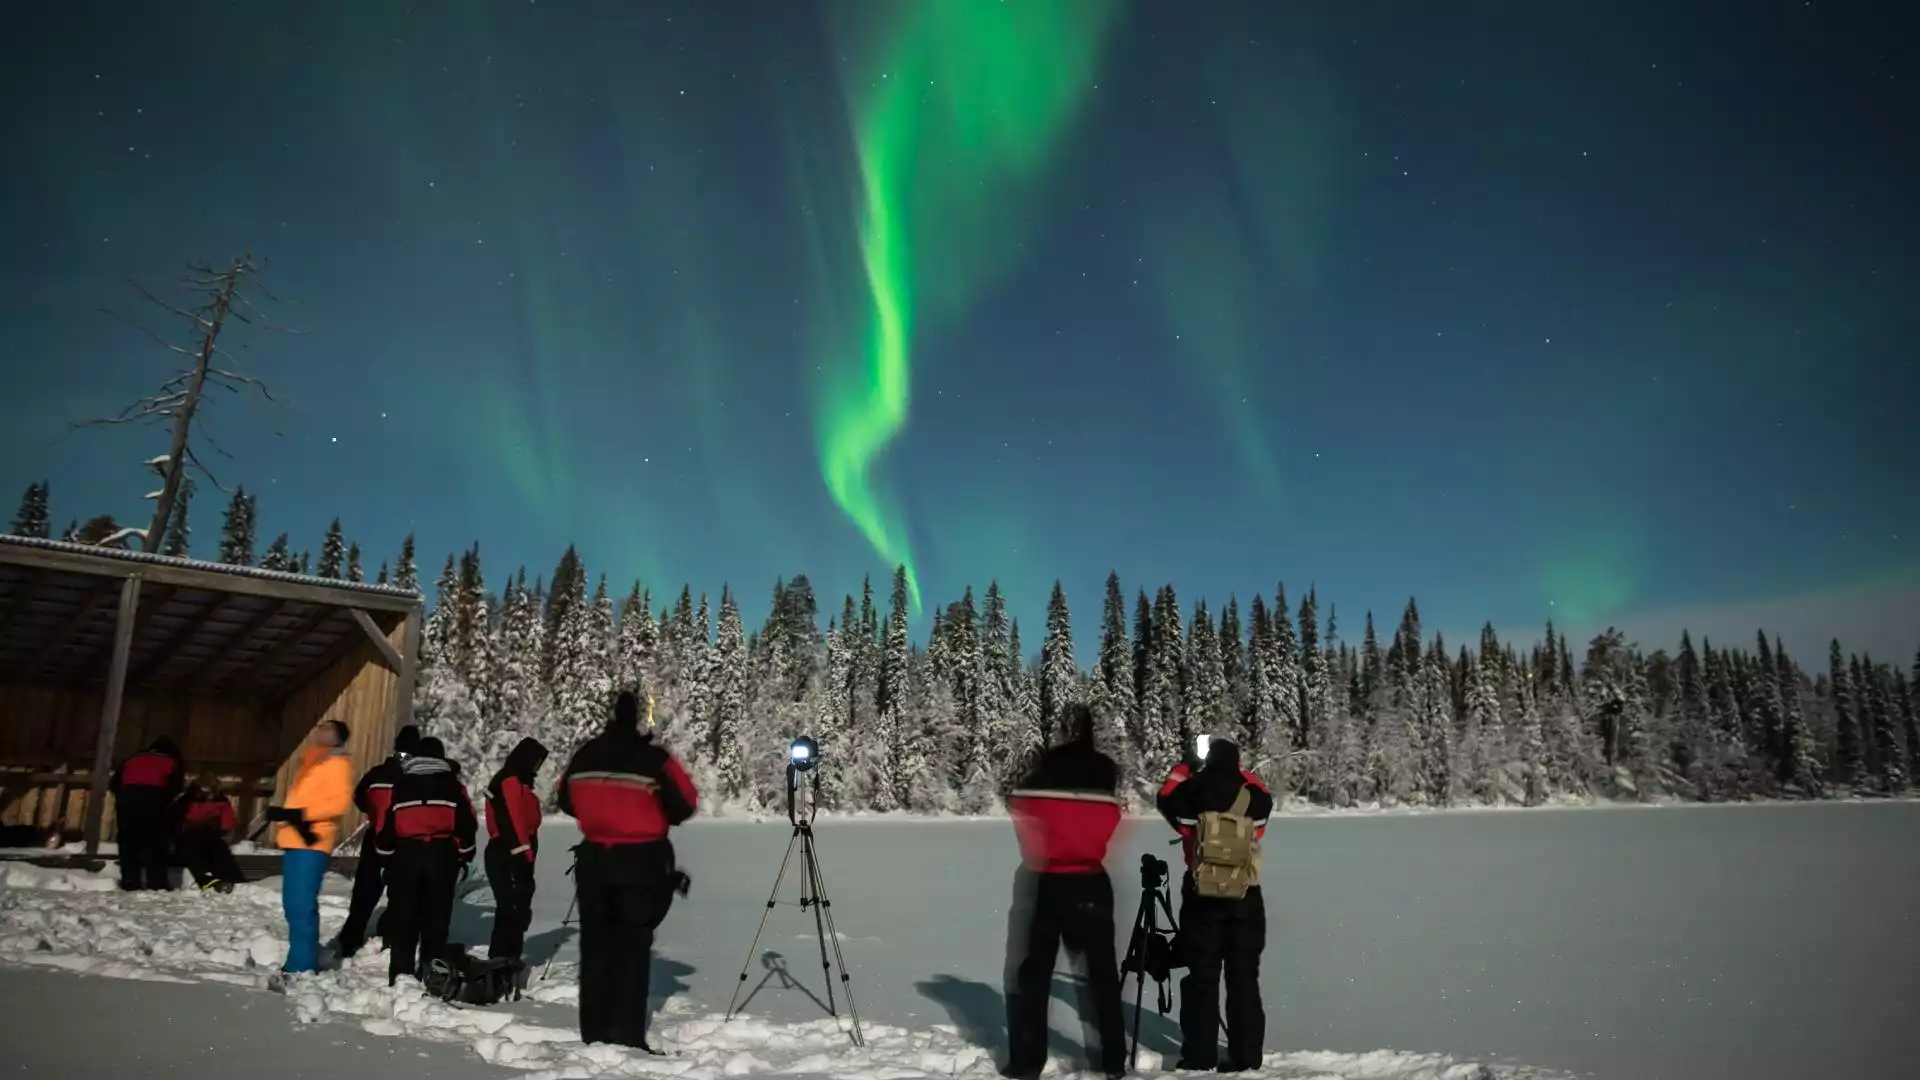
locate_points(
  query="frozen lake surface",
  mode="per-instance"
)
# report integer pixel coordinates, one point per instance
(1684, 943)
(1696, 943)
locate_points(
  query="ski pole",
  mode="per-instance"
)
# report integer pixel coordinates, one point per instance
(565, 921)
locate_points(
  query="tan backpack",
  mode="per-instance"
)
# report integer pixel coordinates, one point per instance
(1226, 852)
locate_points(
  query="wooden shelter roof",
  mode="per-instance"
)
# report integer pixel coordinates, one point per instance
(199, 627)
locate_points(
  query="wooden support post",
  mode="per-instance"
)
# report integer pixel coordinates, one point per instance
(379, 638)
(409, 673)
(110, 710)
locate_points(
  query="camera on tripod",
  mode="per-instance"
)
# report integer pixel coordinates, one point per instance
(803, 754)
(1153, 872)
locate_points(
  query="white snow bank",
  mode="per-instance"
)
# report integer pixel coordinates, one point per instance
(78, 922)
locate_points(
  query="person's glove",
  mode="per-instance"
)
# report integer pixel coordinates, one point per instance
(305, 830)
(281, 813)
(682, 882)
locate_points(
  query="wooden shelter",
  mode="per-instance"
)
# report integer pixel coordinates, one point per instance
(102, 651)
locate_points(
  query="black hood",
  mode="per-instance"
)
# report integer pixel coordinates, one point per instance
(165, 745)
(525, 759)
(523, 762)
(1222, 757)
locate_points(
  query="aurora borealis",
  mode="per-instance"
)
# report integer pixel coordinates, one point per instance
(1592, 314)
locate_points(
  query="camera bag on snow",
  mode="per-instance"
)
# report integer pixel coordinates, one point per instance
(1226, 852)
(459, 979)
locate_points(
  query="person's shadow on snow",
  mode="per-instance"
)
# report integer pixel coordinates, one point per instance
(979, 1012)
(669, 979)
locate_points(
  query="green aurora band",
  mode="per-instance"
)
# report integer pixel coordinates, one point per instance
(958, 111)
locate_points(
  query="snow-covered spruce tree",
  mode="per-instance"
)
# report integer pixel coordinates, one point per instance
(333, 551)
(406, 572)
(701, 677)
(1142, 667)
(1166, 737)
(831, 718)
(577, 711)
(278, 557)
(973, 774)
(637, 640)
(1058, 671)
(1689, 746)
(1850, 764)
(381, 577)
(1286, 692)
(1482, 751)
(1118, 714)
(894, 734)
(474, 626)
(1863, 709)
(354, 571)
(303, 564)
(1532, 749)
(237, 532)
(999, 669)
(1799, 768)
(1770, 710)
(1024, 696)
(1233, 666)
(1257, 711)
(31, 519)
(1497, 678)
(1206, 689)
(1904, 704)
(1436, 735)
(519, 699)
(444, 704)
(730, 697)
(441, 637)
(1313, 671)
(1887, 736)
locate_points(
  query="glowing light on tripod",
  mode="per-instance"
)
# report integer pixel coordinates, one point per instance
(803, 753)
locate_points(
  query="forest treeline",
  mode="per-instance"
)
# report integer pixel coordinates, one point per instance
(945, 724)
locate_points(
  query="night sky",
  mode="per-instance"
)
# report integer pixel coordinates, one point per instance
(1598, 312)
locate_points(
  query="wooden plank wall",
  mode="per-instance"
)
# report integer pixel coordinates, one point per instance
(358, 690)
(51, 729)
(248, 745)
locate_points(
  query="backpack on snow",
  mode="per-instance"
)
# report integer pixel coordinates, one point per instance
(459, 979)
(1226, 852)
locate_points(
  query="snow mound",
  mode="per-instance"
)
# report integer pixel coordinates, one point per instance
(79, 922)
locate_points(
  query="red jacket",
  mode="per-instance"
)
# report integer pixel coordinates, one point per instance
(1065, 811)
(514, 814)
(430, 805)
(623, 788)
(374, 794)
(209, 815)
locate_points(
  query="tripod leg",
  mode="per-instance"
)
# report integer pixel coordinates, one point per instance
(826, 911)
(810, 896)
(772, 898)
(1142, 932)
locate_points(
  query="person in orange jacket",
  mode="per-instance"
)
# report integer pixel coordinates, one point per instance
(321, 793)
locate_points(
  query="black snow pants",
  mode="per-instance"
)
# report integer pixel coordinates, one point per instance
(369, 881)
(1218, 935)
(1050, 910)
(624, 891)
(143, 827)
(511, 877)
(208, 858)
(420, 881)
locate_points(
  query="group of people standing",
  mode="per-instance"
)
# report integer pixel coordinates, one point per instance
(624, 789)
(626, 792)
(1065, 813)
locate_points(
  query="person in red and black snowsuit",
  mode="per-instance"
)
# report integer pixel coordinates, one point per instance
(426, 840)
(206, 820)
(626, 791)
(1218, 933)
(513, 842)
(1065, 813)
(145, 787)
(373, 795)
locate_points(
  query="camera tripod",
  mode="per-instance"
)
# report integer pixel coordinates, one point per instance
(813, 894)
(1151, 949)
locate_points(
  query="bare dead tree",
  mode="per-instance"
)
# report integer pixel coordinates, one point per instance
(219, 295)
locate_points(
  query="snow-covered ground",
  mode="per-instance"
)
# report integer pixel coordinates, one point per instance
(1749, 942)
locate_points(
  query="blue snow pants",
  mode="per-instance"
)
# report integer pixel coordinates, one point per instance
(300, 874)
